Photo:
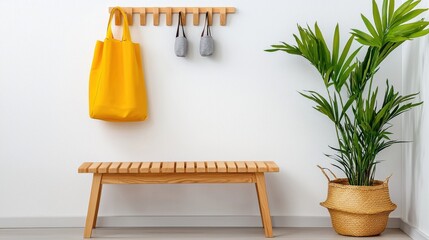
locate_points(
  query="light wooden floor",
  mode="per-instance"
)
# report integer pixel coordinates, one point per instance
(185, 233)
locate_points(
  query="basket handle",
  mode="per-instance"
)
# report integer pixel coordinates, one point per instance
(326, 175)
(387, 179)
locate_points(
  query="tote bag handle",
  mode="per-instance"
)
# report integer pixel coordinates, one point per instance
(180, 24)
(125, 32)
(206, 23)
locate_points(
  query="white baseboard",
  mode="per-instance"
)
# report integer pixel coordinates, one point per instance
(413, 232)
(174, 221)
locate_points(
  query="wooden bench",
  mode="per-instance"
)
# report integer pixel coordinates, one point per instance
(177, 172)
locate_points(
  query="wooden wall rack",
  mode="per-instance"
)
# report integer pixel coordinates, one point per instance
(169, 11)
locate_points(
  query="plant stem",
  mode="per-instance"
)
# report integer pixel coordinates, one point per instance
(370, 87)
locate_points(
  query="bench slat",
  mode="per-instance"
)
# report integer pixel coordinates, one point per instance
(190, 167)
(94, 166)
(221, 167)
(211, 167)
(272, 166)
(241, 166)
(156, 167)
(104, 167)
(83, 168)
(124, 167)
(113, 168)
(135, 166)
(201, 167)
(167, 167)
(251, 167)
(261, 166)
(180, 167)
(145, 167)
(231, 166)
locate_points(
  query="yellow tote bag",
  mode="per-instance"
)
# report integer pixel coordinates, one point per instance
(116, 85)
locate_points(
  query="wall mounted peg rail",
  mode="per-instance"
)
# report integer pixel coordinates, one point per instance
(169, 11)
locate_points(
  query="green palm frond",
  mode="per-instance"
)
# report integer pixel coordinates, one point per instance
(362, 123)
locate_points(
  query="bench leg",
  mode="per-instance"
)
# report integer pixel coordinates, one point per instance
(263, 204)
(94, 224)
(94, 201)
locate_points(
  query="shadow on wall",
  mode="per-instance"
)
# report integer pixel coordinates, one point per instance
(126, 129)
(123, 140)
(416, 76)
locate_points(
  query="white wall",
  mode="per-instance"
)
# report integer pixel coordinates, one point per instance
(240, 104)
(416, 129)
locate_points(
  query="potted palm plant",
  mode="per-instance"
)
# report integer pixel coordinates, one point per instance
(359, 205)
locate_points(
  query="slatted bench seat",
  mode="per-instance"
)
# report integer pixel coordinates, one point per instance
(177, 172)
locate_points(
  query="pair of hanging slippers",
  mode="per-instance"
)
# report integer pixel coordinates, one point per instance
(206, 41)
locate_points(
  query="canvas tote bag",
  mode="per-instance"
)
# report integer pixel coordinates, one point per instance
(116, 86)
(181, 43)
(206, 41)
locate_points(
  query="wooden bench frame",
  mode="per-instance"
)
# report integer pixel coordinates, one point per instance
(161, 173)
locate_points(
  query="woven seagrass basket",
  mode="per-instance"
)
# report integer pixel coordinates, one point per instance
(358, 210)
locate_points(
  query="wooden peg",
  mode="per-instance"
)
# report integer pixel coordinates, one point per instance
(183, 10)
(118, 18)
(155, 16)
(142, 12)
(196, 16)
(129, 12)
(169, 20)
(223, 16)
(210, 10)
